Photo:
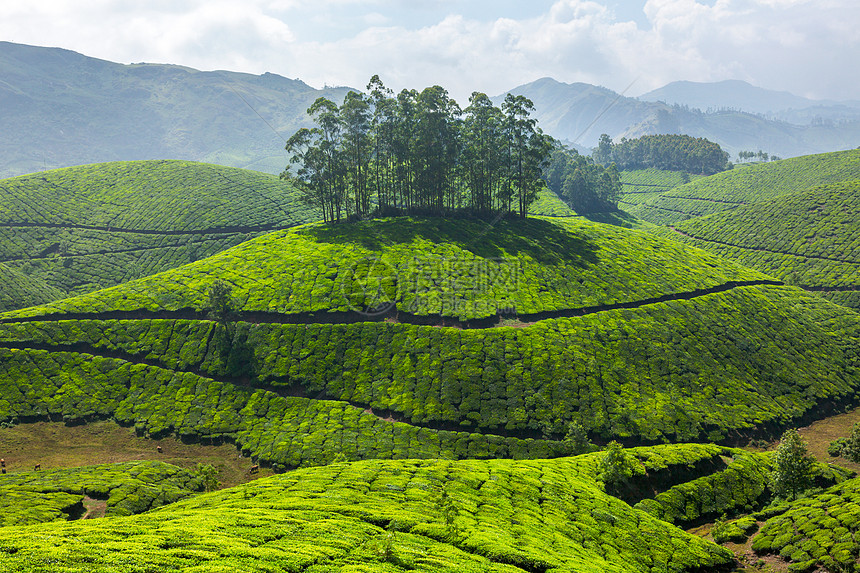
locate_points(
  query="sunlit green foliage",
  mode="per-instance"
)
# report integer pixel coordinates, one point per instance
(489, 516)
(792, 466)
(641, 185)
(128, 488)
(750, 184)
(284, 431)
(725, 361)
(821, 530)
(741, 482)
(19, 290)
(455, 268)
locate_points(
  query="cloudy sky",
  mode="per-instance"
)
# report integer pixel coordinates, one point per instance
(809, 47)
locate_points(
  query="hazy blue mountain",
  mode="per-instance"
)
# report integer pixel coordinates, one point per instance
(60, 108)
(580, 113)
(739, 95)
(734, 94)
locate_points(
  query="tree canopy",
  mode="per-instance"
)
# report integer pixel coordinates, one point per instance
(670, 152)
(418, 153)
(585, 185)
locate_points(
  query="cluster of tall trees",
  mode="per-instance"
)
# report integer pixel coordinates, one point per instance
(670, 152)
(418, 153)
(586, 186)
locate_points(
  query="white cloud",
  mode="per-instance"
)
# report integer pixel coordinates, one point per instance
(808, 47)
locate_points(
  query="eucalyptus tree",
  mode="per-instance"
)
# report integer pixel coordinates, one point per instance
(383, 124)
(528, 150)
(355, 121)
(437, 149)
(483, 146)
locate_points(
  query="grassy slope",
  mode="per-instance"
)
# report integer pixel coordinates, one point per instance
(811, 239)
(747, 185)
(693, 367)
(83, 228)
(500, 516)
(548, 204)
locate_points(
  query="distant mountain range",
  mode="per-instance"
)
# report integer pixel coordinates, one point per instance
(579, 113)
(60, 108)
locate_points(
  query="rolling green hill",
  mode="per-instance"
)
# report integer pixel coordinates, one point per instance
(435, 515)
(83, 228)
(747, 185)
(430, 338)
(126, 489)
(810, 239)
(489, 516)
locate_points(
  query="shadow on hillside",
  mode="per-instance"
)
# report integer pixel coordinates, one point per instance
(615, 218)
(544, 241)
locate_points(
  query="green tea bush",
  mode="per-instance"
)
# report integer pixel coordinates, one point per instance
(808, 238)
(821, 529)
(428, 267)
(384, 515)
(129, 488)
(686, 370)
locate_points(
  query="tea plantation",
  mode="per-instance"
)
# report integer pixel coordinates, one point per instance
(747, 185)
(821, 530)
(435, 515)
(84, 228)
(642, 185)
(460, 269)
(629, 335)
(128, 488)
(19, 290)
(811, 239)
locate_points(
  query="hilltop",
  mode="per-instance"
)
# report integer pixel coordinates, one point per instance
(449, 338)
(79, 229)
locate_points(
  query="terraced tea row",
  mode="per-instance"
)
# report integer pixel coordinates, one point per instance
(642, 185)
(498, 516)
(687, 369)
(18, 289)
(83, 228)
(747, 185)
(281, 430)
(460, 269)
(810, 239)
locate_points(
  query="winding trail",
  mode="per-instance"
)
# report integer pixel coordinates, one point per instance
(390, 314)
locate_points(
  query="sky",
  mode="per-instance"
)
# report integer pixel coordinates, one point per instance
(808, 47)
